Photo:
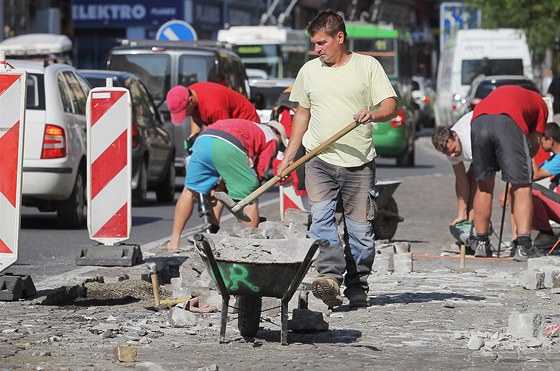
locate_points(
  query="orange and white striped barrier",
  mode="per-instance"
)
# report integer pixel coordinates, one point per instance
(12, 121)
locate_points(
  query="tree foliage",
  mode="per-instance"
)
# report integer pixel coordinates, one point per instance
(538, 18)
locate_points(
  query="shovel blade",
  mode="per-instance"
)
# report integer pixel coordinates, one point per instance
(230, 204)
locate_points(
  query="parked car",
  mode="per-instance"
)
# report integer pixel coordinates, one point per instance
(153, 151)
(396, 138)
(265, 93)
(484, 85)
(423, 96)
(162, 65)
(54, 157)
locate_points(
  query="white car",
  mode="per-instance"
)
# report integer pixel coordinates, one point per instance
(54, 160)
(423, 96)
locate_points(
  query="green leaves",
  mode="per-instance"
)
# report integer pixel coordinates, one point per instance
(537, 18)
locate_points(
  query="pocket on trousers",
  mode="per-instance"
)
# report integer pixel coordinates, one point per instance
(372, 204)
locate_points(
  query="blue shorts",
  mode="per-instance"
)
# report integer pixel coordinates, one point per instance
(213, 158)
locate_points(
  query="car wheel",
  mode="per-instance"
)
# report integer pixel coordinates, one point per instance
(70, 212)
(406, 159)
(165, 191)
(385, 226)
(139, 195)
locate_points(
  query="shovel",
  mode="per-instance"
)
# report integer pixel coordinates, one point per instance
(237, 208)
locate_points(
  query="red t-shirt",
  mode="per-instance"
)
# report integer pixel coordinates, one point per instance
(525, 107)
(217, 102)
(260, 149)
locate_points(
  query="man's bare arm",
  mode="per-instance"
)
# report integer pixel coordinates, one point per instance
(462, 191)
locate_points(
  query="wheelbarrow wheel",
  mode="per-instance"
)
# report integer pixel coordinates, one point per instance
(385, 226)
(249, 313)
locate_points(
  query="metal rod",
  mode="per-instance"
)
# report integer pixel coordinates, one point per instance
(503, 217)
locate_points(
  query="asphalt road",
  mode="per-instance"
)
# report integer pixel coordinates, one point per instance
(46, 249)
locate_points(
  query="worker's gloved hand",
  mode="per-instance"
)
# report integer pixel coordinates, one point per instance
(189, 143)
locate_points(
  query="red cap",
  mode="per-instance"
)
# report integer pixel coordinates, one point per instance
(177, 100)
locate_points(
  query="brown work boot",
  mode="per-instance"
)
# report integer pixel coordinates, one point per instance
(327, 290)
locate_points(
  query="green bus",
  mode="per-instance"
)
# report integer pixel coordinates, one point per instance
(391, 47)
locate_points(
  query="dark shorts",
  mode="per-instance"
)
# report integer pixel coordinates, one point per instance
(499, 144)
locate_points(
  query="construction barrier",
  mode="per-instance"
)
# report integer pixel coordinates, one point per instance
(109, 120)
(12, 122)
(289, 199)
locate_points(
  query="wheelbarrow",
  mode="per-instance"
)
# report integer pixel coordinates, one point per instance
(388, 219)
(250, 280)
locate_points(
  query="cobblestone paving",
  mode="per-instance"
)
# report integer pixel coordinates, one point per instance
(418, 321)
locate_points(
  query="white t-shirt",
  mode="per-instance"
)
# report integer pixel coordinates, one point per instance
(334, 95)
(463, 129)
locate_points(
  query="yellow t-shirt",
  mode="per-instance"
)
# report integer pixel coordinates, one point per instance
(333, 95)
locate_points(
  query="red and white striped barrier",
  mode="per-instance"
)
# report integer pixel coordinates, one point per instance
(289, 199)
(109, 119)
(12, 119)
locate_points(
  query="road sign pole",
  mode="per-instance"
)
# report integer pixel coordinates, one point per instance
(109, 121)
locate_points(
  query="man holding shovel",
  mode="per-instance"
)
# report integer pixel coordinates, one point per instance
(332, 90)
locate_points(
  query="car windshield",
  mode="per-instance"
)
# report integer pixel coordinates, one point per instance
(471, 68)
(153, 70)
(195, 68)
(486, 88)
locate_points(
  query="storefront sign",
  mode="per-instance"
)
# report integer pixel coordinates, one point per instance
(92, 14)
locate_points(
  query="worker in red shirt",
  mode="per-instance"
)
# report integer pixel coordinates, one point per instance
(506, 130)
(205, 103)
(237, 151)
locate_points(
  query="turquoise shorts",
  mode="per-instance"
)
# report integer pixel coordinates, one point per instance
(213, 158)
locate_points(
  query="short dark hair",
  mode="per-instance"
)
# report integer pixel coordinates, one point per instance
(440, 136)
(552, 130)
(329, 22)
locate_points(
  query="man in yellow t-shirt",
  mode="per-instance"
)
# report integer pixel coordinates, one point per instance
(331, 91)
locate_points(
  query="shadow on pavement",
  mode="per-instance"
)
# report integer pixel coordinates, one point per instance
(420, 297)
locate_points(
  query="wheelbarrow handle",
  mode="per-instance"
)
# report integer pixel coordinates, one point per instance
(207, 249)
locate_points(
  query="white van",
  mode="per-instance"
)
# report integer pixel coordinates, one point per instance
(477, 52)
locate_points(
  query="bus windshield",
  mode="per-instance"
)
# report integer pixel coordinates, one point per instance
(262, 57)
(279, 51)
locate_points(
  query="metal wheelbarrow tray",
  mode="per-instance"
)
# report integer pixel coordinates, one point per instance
(240, 267)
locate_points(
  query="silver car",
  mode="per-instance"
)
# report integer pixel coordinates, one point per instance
(54, 160)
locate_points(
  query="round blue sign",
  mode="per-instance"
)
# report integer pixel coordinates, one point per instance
(176, 31)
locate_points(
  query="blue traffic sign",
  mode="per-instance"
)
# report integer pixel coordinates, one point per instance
(176, 30)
